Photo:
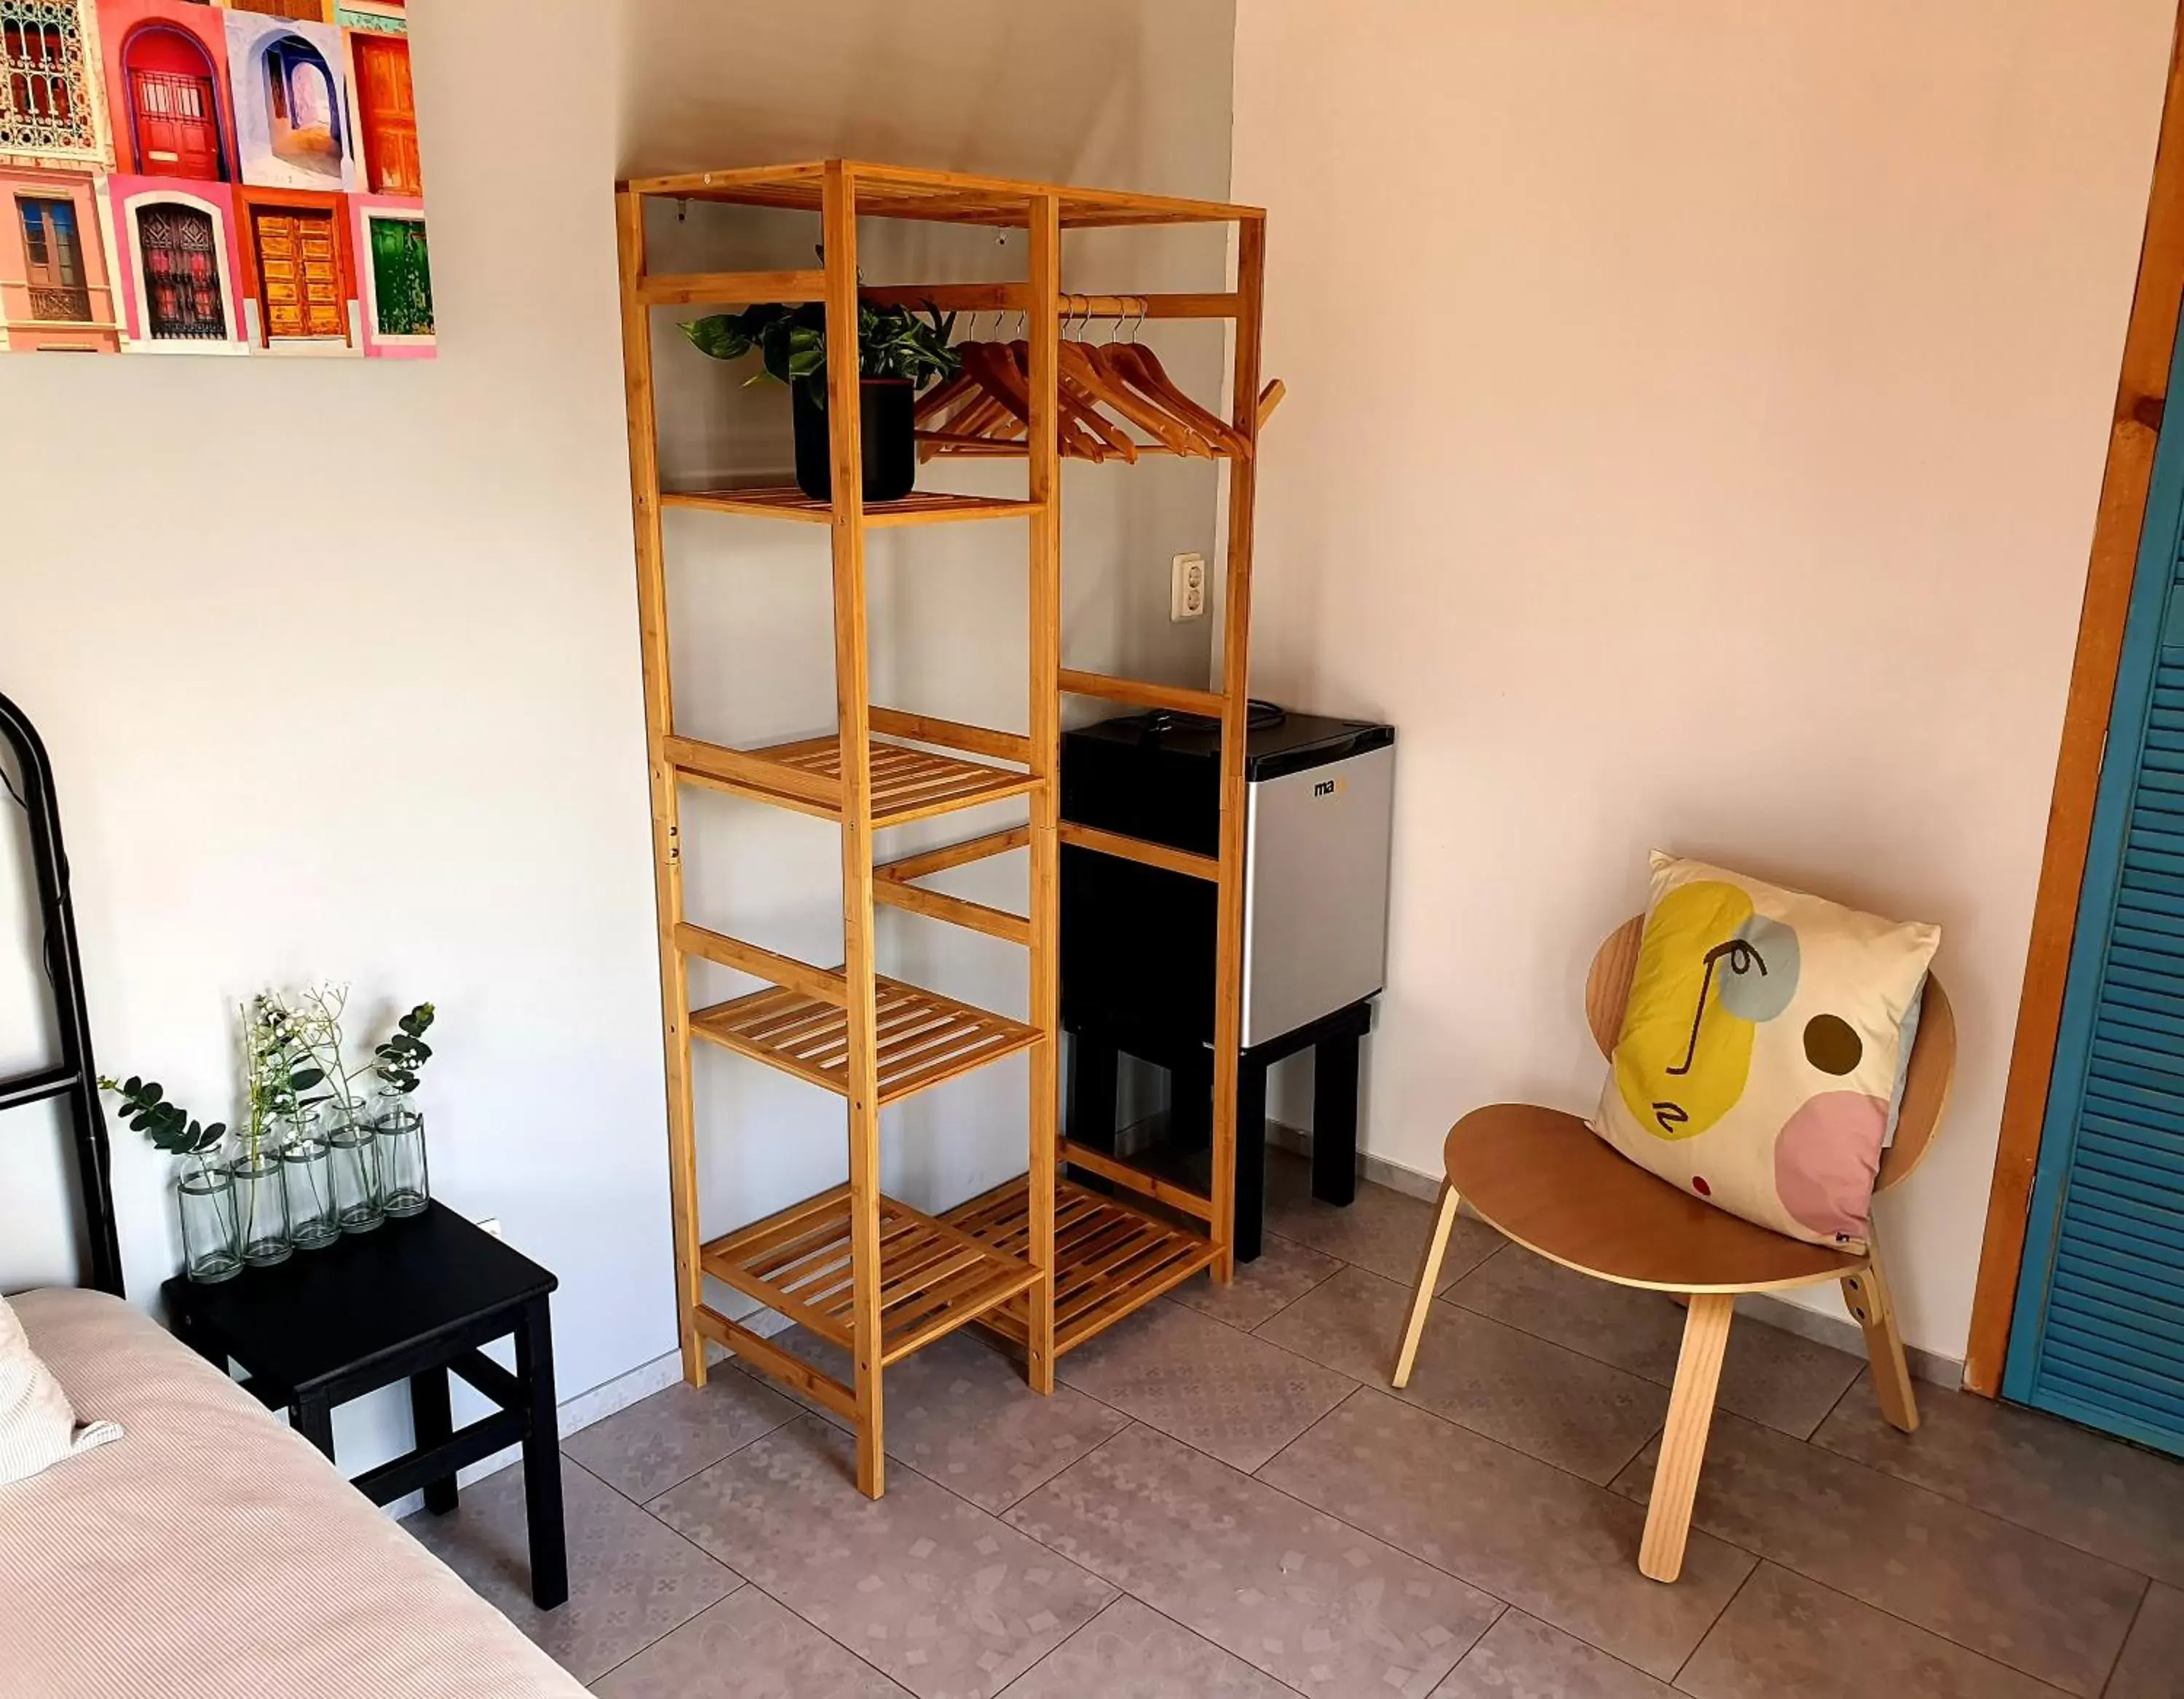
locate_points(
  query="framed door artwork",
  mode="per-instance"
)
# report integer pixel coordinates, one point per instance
(400, 278)
(238, 177)
(174, 106)
(386, 113)
(303, 293)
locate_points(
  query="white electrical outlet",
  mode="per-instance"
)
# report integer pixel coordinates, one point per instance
(1186, 589)
(491, 1224)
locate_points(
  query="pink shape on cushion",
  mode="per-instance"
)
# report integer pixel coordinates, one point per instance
(1826, 1159)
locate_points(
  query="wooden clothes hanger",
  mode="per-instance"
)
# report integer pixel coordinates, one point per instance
(987, 404)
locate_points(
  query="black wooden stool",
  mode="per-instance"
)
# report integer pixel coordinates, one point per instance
(414, 1301)
(1333, 1039)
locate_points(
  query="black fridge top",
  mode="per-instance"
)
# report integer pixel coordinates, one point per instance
(1289, 745)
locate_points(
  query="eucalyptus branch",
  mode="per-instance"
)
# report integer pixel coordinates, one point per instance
(168, 1125)
(399, 1060)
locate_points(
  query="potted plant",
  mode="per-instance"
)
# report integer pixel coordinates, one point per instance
(899, 352)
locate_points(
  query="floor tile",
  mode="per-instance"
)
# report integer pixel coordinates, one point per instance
(1132, 1651)
(919, 1584)
(1383, 1230)
(1770, 1375)
(1558, 1405)
(1521, 1658)
(1785, 1635)
(2151, 1666)
(630, 1580)
(2016, 1596)
(1308, 1599)
(746, 1647)
(2096, 1494)
(1554, 1546)
(661, 1441)
(960, 1413)
(1284, 1273)
(1228, 1393)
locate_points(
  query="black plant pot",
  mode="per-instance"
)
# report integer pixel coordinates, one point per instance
(890, 445)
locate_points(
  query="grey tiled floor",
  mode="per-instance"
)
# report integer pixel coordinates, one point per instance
(1225, 1498)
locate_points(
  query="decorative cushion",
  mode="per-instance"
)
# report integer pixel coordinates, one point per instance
(1762, 1049)
(37, 1424)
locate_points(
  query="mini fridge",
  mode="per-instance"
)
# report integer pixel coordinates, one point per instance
(1138, 942)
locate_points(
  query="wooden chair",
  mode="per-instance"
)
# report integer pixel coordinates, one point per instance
(1544, 1179)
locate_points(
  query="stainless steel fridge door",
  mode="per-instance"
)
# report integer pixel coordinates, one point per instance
(1316, 892)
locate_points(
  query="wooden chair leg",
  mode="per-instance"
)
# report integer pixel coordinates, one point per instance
(1866, 1293)
(1428, 1273)
(1683, 1441)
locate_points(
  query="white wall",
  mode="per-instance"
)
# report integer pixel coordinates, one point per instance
(1696, 418)
(338, 661)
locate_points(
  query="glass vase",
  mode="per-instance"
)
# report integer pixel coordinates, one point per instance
(261, 1207)
(211, 1251)
(352, 1147)
(405, 1183)
(307, 1172)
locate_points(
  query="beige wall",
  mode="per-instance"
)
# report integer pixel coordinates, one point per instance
(1697, 417)
(338, 660)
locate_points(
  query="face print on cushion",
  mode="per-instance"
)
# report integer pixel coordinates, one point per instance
(1714, 972)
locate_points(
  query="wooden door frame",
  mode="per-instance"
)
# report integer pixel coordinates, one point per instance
(2142, 394)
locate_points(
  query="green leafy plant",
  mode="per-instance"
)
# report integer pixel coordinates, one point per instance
(168, 1125)
(399, 1060)
(791, 342)
(278, 1067)
(315, 1020)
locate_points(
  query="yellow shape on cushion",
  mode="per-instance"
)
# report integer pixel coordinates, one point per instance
(1683, 1058)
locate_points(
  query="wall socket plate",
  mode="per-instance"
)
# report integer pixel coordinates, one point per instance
(1186, 589)
(491, 1224)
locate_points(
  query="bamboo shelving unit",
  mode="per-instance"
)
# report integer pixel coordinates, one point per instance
(1041, 1263)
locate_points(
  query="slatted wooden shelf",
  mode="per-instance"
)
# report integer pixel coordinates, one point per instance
(922, 507)
(905, 192)
(1109, 1258)
(933, 1277)
(908, 784)
(924, 1038)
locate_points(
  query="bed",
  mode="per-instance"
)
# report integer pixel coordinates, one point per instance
(212, 1551)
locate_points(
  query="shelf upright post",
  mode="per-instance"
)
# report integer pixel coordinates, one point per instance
(667, 824)
(1235, 731)
(1044, 219)
(853, 708)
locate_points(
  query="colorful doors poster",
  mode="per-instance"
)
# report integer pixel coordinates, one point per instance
(211, 176)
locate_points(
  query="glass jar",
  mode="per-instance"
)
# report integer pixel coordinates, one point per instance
(211, 1251)
(404, 1184)
(352, 1147)
(307, 1174)
(261, 1207)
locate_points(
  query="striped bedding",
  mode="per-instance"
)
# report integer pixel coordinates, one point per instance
(212, 1554)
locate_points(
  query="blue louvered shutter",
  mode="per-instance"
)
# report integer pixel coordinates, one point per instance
(2098, 1333)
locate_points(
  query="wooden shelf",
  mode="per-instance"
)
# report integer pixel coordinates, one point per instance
(920, 507)
(951, 196)
(1110, 1258)
(907, 784)
(924, 1038)
(933, 1277)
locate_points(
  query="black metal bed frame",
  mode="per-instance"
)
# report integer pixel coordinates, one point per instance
(75, 1077)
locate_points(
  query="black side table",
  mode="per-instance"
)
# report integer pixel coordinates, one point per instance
(1333, 1039)
(412, 1300)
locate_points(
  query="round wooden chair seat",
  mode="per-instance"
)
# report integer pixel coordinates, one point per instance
(1545, 1179)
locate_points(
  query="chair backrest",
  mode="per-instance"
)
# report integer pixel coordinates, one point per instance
(1925, 1083)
